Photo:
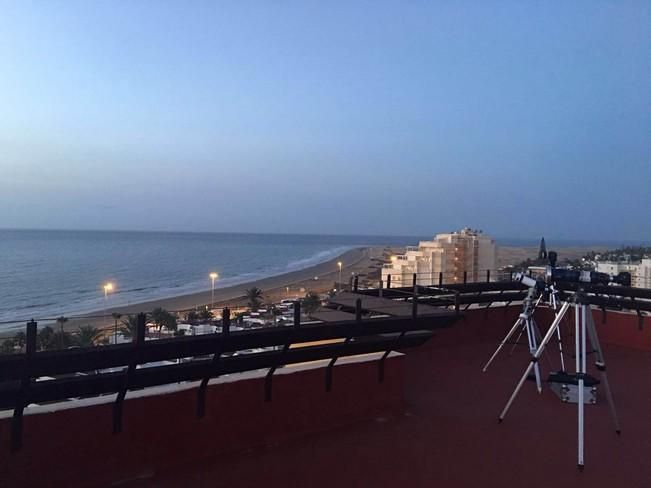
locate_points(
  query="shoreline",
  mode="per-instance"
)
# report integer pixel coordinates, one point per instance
(299, 282)
(362, 260)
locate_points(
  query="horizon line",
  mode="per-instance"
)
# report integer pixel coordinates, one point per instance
(167, 231)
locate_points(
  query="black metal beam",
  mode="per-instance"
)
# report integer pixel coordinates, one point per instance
(52, 363)
(93, 385)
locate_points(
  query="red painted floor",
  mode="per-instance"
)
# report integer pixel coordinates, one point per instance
(449, 435)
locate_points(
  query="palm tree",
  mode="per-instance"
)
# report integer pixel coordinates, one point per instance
(239, 318)
(21, 339)
(116, 316)
(87, 335)
(129, 326)
(274, 311)
(61, 340)
(162, 318)
(44, 338)
(205, 315)
(311, 302)
(192, 316)
(254, 297)
(8, 346)
(61, 320)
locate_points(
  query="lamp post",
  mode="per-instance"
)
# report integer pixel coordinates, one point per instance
(340, 264)
(213, 277)
(108, 287)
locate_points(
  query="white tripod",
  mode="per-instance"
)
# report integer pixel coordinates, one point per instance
(583, 325)
(526, 323)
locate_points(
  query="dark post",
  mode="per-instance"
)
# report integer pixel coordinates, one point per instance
(356, 283)
(457, 302)
(388, 282)
(510, 275)
(414, 279)
(226, 321)
(414, 303)
(30, 340)
(140, 331)
(21, 403)
(379, 290)
(488, 276)
(441, 278)
(138, 341)
(358, 310)
(297, 313)
(465, 277)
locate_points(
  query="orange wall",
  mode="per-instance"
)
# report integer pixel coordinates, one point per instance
(73, 446)
(76, 447)
(621, 329)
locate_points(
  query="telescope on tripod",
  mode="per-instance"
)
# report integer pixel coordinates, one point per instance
(577, 387)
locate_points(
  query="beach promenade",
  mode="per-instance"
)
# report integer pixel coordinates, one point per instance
(319, 278)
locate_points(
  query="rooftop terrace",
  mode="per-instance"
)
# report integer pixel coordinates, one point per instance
(431, 422)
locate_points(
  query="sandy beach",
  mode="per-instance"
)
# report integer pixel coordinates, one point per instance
(319, 278)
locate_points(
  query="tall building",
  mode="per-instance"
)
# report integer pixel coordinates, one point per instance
(448, 255)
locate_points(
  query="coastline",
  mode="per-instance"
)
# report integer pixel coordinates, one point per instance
(357, 260)
(360, 260)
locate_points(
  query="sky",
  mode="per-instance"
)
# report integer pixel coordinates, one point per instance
(341, 117)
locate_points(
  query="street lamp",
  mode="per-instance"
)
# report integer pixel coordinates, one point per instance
(108, 287)
(340, 264)
(213, 277)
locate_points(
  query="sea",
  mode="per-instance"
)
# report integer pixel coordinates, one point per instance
(49, 273)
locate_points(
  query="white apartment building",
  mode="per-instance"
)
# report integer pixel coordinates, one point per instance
(466, 251)
(640, 270)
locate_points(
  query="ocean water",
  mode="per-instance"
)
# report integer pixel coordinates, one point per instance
(45, 274)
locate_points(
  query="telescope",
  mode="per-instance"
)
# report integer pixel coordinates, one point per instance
(554, 275)
(560, 275)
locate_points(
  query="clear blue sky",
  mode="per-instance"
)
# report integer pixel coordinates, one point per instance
(520, 118)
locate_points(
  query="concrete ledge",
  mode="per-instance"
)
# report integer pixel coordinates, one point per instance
(72, 444)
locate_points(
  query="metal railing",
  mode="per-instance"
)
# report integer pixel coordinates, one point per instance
(41, 377)
(488, 292)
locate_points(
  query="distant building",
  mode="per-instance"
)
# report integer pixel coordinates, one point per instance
(640, 270)
(466, 251)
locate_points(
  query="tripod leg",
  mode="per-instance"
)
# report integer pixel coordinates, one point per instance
(535, 358)
(580, 369)
(538, 337)
(504, 341)
(560, 347)
(531, 337)
(600, 363)
(517, 341)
